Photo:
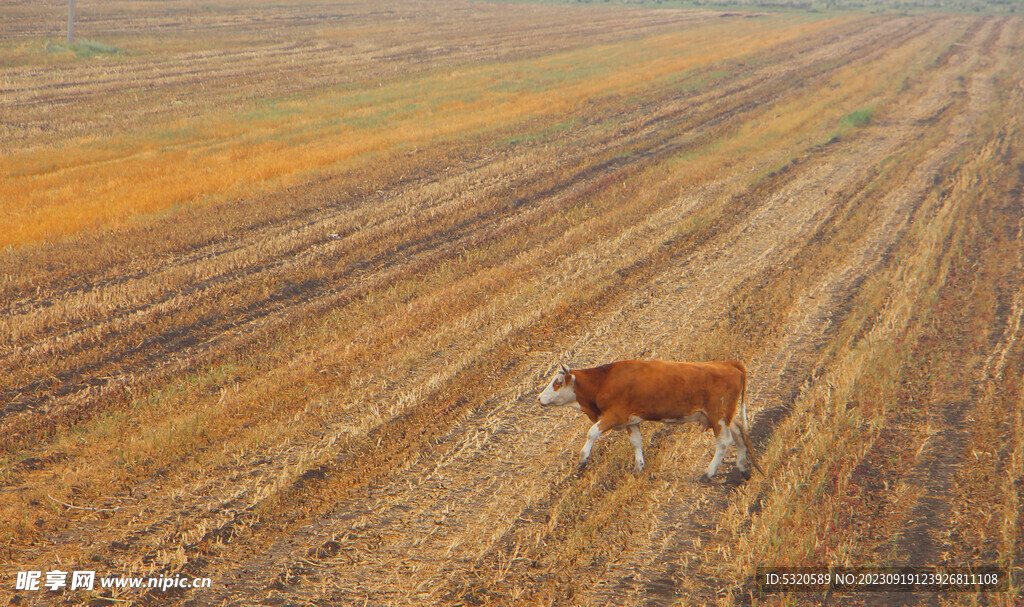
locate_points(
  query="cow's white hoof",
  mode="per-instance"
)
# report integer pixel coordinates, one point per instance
(704, 479)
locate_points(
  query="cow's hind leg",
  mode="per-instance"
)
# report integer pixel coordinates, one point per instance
(742, 463)
(637, 441)
(723, 439)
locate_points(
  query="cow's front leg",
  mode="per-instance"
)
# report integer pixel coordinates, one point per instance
(592, 434)
(637, 441)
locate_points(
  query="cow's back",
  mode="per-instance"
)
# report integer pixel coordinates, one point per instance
(656, 390)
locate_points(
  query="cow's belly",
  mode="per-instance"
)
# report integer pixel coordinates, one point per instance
(698, 416)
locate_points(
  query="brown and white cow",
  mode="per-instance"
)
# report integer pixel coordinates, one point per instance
(625, 393)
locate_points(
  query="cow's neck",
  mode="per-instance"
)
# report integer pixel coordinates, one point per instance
(588, 384)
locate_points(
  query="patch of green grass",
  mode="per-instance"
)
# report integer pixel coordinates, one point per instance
(852, 121)
(84, 48)
(858, 118)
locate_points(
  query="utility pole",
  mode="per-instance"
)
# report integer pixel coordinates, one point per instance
(71, 21)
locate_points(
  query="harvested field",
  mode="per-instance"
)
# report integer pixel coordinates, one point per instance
(279, 287)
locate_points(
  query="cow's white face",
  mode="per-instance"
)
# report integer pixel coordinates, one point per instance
(561, 390)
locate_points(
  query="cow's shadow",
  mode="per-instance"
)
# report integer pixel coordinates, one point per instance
(734, 477)
(730, 478)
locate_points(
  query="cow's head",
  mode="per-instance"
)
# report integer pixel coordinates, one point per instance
(561, 390)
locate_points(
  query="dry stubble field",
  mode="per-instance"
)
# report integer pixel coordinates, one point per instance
(279, 288)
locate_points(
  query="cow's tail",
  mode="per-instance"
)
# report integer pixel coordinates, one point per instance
(743, 406)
